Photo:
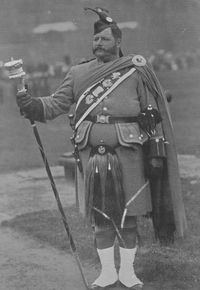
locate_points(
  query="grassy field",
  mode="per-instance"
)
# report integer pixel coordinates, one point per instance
(175, 267)
(185, 108)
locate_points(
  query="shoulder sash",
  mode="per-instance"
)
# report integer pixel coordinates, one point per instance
(97, 92)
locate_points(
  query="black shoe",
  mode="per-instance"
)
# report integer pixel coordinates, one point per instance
(97, 287)
(135, 287)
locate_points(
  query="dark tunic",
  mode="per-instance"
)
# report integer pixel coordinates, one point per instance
(128, 99)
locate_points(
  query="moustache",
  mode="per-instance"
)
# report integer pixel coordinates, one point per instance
(98, 49)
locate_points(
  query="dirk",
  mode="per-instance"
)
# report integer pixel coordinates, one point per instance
(73, 141)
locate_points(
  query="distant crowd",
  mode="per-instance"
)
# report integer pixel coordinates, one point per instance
(41, 75)
(162, 60)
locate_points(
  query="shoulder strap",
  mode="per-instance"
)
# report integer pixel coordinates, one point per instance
(87, 108)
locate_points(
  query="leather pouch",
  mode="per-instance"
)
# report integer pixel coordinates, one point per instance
(82, 134)
(156, 147)
(129, 133)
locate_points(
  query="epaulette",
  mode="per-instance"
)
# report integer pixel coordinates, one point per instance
(139, 60)
(86, 60)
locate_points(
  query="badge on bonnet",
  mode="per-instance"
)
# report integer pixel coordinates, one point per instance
(139, 60)
(101, 10)
(104, 21)
(109, 19)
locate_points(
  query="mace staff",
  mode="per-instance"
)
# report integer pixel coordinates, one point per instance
(16, 72)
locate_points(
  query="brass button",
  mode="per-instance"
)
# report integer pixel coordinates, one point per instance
(140, 137)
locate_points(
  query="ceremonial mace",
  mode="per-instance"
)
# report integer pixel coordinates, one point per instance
(16, 72)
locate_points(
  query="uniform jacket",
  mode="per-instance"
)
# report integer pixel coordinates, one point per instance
(128, 99)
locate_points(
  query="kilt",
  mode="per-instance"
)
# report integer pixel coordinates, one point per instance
(131, 160)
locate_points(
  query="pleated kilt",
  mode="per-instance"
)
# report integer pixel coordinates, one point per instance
(131, 160)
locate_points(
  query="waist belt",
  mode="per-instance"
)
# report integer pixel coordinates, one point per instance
(103, 119)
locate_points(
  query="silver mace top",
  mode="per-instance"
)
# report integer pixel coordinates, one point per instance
(15, 71)
(14, 68)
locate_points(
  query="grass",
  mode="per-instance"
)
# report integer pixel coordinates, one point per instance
(185, 108)
(174, 267)
(47, 227)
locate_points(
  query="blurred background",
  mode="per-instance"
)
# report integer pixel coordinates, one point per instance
(46, 30)
(52, 35)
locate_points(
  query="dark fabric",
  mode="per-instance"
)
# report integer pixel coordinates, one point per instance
(168, 209)
(97, 93)
(128, 237)
(101, 25)
(23, 99)
(105, 238)
(104, 20)
(156, 147)
(30, 108)
(105, 233)
(97, 72)
(172, 213)
(162, 214)
(148, 119)
(162, 209)
(34, 111)
(155, 167)
(104, 185)
(106, 202)
(112, 120)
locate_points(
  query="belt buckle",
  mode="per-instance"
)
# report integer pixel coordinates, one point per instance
(103, 119)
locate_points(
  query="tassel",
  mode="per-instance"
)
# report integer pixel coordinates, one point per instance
(103, 183)
(116, 176)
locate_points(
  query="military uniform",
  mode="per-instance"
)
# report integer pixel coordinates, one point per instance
(111, 97)
(128, 99)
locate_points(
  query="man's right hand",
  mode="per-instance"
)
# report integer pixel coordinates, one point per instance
(23, 99)
(30, 108)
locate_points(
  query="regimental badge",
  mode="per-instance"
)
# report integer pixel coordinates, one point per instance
(101, 149)
(139, 60)
(109, 19)
(97, 91)
(89, 99)
(107, 83)
(116, 75)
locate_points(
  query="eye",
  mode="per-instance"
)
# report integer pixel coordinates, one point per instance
(96, 39)
(105, 38)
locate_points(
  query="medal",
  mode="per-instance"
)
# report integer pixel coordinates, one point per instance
(139, 60)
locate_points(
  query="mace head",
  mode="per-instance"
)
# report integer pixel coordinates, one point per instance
(14, 68)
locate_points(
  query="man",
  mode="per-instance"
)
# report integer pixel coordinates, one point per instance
(128, 169)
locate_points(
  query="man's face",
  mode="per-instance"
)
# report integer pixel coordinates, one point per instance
(105, 46)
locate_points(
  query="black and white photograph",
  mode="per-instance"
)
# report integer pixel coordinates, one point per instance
(99, 144)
